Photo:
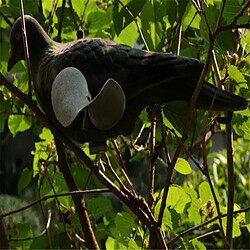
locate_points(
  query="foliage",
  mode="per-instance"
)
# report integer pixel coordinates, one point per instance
(190, 201)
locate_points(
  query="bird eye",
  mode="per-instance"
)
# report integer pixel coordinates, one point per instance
(17, 36)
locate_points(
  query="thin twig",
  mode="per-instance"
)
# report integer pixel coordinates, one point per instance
(151, 172)
(51, 14)
(6, 19)
(234, 26)
(121, 166)
(213, 192)
(140, 209)
(83, 14)
(40, 6)
(44, 221)
(109, 166)
(202, 236)
(44, 198)
(79, 201)
(179, 39)
(16, 113)
(73, 14)
(220, 16)
(231, 179)
(25, 45)
(61, 21)
(36, 236)
(138, 136)
(136, 22)
(184, 135)
(60, 210)
(203, 224)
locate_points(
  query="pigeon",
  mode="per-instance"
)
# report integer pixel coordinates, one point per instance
(94, 89)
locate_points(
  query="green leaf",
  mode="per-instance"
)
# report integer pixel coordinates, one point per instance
(132, 244)
(231, 9)
(197, 245)
(121, 17)
(248, 220)
(189, 14)
(171, 10)
(99, 206)
(177, 199)
(176, 113)
(21, 230)
(236, 228)
(18, 123)
(128, 35)
(4, 107)
(24, 180)
(113, 244)
(182, 166)
(152, 24)
(223, 41)
(235, 74)
(242, 127)
(99, 20)
(46, 135)
(193, 210)
(206, 193)
(124, 223)
(166, 219)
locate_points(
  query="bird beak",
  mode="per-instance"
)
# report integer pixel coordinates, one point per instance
(12, 61)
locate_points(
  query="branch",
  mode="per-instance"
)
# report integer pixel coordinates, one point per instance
(121, 166)
(203, 224)
(136, 205)
(25, 45)
(6, 19)
(151, 172)
(73, 14)
(137, 24)
(231, 179)
(109, 166)
(36, 236)
(79, 201)
(226, 244)
(185, 133)
(61, 21)
(44, 198)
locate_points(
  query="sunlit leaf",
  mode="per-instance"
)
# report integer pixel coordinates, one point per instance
(235, 74)
(18, 123)
(182, 166)
(177, 199)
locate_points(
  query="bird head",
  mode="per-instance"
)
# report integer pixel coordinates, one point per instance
(36, 37)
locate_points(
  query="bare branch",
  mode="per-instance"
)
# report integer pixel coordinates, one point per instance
(137, 24)
(6, 19)
(203, 224)
(36, 236)
(231, 179)
(44, 198)
(61, 21)
(26, 50)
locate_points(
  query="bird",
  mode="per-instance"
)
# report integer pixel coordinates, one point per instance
(94, 89)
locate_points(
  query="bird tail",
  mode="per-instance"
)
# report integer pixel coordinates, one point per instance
(219, 100)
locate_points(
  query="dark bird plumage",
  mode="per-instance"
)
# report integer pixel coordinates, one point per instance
(145, 77)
